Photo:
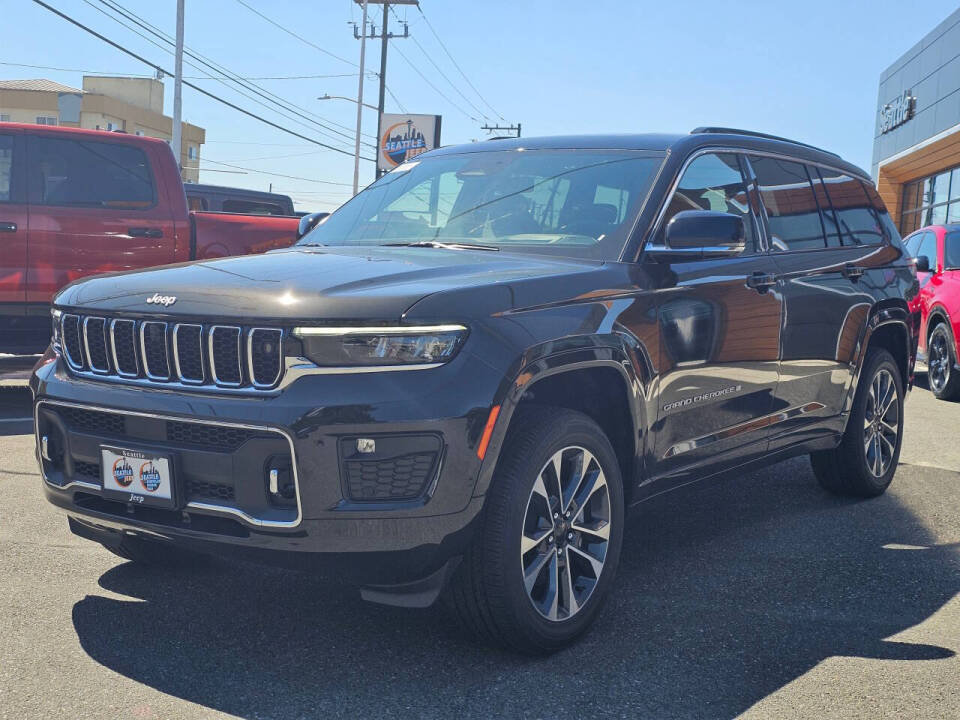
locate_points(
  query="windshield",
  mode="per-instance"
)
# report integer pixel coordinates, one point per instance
(579, 203)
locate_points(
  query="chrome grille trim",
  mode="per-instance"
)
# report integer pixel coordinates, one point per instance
(113, 347)
(71, 361)
(86, 344)
(176, 354)
(213, 360)
(143, 350)
(253, 374)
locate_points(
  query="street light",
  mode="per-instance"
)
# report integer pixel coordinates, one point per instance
(349, 99)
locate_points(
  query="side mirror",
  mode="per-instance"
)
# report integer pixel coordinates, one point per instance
(309, 222)
(923, 264)
(699, 235)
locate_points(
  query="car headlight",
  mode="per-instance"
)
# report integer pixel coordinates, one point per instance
(55, 339)
(381, 346)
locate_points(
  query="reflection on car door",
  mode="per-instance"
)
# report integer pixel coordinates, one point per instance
(95, 207)
(828, 234)
(719, 336)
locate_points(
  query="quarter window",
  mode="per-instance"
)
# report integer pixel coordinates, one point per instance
(856, 217)
(712, 182)
(89, 174)
(792, 210)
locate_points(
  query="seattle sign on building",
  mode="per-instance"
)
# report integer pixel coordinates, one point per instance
(896, 112)
(403, 137)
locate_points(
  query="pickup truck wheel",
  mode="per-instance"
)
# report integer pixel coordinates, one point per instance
(549, 545)
(866, 459)
(943, 378)
(149, 552)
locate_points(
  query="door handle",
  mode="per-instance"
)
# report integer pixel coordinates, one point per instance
(145, 232)
(8, 227)
(761, 282)
(853, 272)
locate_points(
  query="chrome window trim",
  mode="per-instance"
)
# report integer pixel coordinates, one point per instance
(206, 507)
(66, 349)
(176, 355)
(86, 344)
(744, 151)
(113, 348)
(253, 377)
(143, 350)
(213, 360)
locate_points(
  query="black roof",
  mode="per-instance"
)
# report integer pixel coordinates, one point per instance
(237, 192)
(682, 144)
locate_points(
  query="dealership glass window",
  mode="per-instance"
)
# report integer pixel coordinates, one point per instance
(792, 210)
(89, 174)
(6, 166)
(931, 200)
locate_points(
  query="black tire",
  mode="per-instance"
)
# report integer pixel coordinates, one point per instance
(154, 552)
(851, 469)
(942, 376)
(488, 593)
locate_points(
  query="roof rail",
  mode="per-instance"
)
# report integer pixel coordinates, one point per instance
(751, 133)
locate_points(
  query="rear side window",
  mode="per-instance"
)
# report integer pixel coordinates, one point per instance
(712, 182)
(858, 221)
(951, 251)
(792, 211)
(81, 173)
(880, 209)
(6, 167)
(252, 207)
(196, 203)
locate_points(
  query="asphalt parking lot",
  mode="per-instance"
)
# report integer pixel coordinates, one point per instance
(759, 595)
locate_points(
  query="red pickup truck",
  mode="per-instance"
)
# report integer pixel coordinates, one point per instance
(936, 250)
(79, 202)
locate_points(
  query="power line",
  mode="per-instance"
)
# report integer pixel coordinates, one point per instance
(273, 174)
(293, 34)
(199, 89)
(442, 74)
(226, 72)
(456, 65)
(438, 90)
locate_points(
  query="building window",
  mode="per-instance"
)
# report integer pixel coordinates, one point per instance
(933, 200)
(46, 120)
(191, 152)
(140, 133)
(4, 118)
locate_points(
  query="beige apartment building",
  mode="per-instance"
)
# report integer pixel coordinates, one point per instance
(132, 105)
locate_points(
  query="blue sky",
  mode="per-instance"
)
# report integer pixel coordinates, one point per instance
(807, 71)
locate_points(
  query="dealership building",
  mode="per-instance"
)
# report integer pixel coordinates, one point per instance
(916, 146)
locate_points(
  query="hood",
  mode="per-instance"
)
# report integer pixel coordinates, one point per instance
(338, 283)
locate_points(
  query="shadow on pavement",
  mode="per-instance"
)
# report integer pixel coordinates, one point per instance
(726, 592)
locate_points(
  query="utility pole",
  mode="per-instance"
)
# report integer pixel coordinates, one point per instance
(356, 149)
(513, 129)
(177, 141)
(384, 36)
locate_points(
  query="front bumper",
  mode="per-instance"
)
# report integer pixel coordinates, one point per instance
(224, 504)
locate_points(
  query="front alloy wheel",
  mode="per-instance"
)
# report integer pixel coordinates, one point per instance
(566, 531)
(938, 362)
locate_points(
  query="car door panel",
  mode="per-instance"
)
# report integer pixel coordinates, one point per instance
(14, 224)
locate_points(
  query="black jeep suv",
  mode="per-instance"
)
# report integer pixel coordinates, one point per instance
(461, 380)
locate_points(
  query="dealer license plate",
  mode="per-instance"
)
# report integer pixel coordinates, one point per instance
(136, 477)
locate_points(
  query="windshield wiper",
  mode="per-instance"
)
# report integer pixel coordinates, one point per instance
(446, 245)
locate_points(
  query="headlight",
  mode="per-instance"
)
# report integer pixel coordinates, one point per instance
(381, 346)
(55, 340)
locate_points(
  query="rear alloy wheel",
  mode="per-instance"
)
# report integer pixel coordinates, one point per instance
(944, 380)
(864, 462)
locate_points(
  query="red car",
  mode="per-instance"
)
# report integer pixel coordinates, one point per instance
(80, 202)
(936, 249)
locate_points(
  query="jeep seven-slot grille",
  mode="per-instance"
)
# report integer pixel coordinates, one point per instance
(155, 351)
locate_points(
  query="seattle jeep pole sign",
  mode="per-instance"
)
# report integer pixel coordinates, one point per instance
(403, 137)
